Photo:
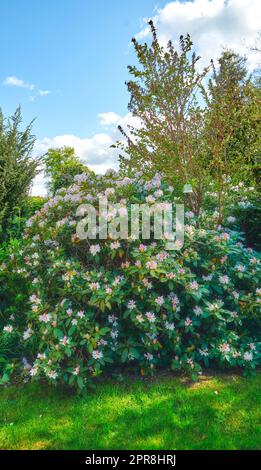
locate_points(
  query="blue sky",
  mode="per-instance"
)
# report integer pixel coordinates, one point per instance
(76, 49)
(65, 61)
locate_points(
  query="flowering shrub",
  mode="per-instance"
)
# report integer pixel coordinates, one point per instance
(106, 305)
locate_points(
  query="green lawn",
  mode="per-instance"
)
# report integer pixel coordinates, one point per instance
(219, 412)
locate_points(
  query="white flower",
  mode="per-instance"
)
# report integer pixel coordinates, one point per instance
(76, 371)
(204, 352)
(33, 371)
(159, 301)
(114, 334)
(131, 305)
(231, 219)
(52, 374)
(115, 245)
(97, 354)
(197, 310)
(148, 356)
(169, 326)
(27, 333)
(94, 249)
(41, 356)
(150, 199)
(248, 356)
(109, 191)
(112, 319)
(158, 193)
(94, 285)
(224, 279)
(189, 214)
(240, 268)
(8, 328)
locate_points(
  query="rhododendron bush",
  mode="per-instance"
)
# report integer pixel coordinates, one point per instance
(114, 306)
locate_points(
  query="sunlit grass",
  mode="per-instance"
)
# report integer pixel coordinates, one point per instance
(219, 412)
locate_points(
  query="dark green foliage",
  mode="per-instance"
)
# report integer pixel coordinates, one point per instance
(17, 166)
(29, 206)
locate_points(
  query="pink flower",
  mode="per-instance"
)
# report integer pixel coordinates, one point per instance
(224, 348)
(80, 314)
(225, 236)
(188, 322)
(94, 286)
(236, 354)
(171, 275)
(142, 247)
(193, 285)
(45, 317)
(151, 265)
(181, 271)
(240, 268)
(150, 316)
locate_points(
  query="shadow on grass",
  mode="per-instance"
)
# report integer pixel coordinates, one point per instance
(214, 414)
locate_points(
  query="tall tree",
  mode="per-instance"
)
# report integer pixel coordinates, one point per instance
(17, 165)
(231, 125)
(165, 96)
(193, 130)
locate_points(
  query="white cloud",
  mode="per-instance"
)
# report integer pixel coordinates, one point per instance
(212, 25)
(109, 118)
(95, 151)
(44, 92)
(19, 83)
